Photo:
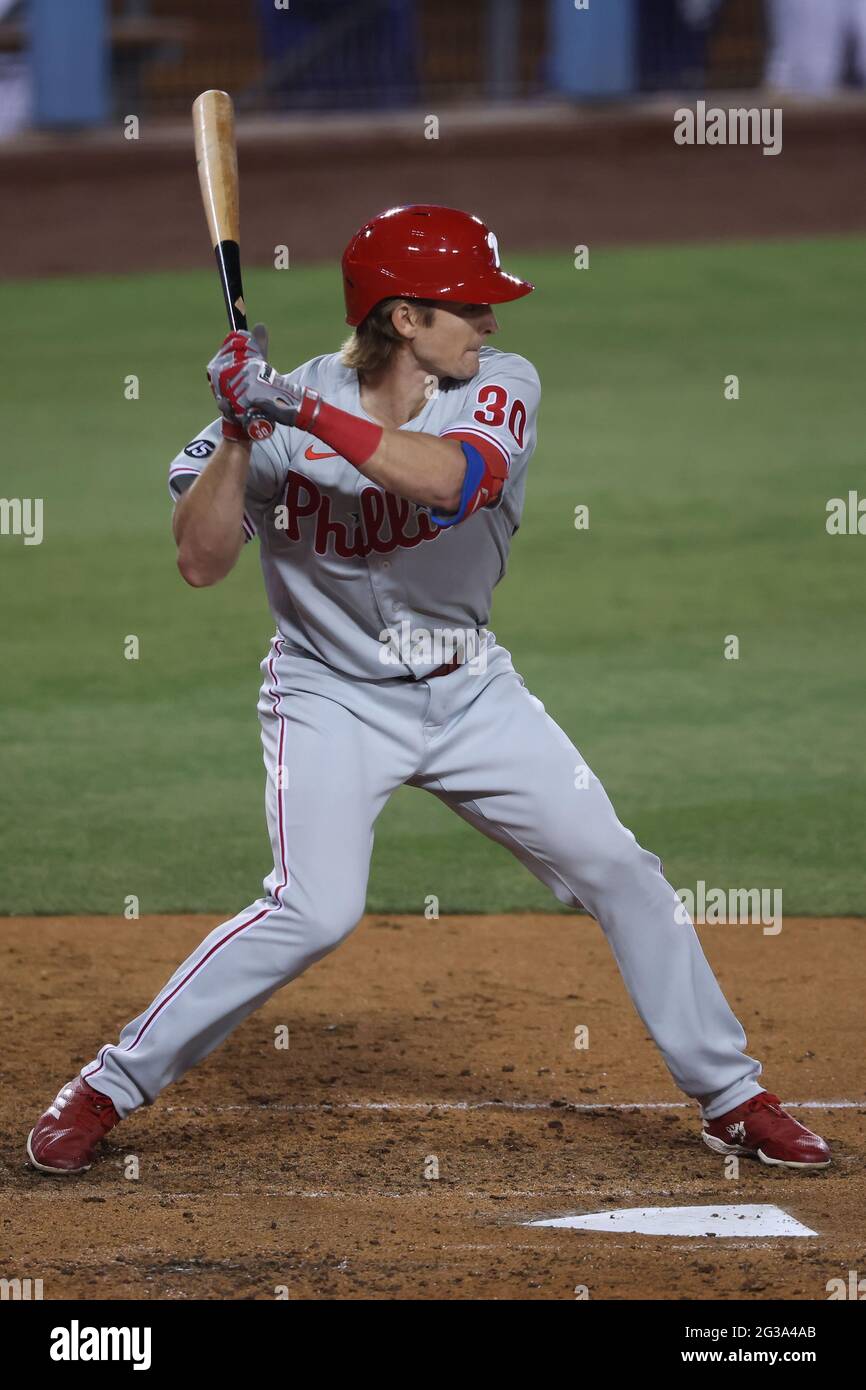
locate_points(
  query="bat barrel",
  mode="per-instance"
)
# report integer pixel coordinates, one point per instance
(216, 159)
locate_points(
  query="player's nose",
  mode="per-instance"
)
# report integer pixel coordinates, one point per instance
(487, 323)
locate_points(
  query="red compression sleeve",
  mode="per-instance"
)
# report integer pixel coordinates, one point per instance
(354, 439)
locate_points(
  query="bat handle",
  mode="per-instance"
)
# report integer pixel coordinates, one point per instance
(257, 426)
(228, 259)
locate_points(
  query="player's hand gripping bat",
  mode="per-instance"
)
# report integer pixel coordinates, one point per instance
(217, 161)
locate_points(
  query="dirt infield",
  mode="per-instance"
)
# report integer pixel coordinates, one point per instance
(309, 1169)
(544, 178)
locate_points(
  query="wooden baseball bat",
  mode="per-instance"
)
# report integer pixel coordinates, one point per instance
(213, 120)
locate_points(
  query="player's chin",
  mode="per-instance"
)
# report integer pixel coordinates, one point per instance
(467, 367)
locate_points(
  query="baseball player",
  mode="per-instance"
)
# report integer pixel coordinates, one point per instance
(385, 483)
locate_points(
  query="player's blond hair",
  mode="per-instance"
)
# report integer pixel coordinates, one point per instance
(373, 343)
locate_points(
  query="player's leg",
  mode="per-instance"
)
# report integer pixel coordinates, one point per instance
(328, 776)
(329, 772)
(504, 765)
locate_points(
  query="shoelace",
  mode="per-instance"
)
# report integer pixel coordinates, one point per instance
(766, 1101)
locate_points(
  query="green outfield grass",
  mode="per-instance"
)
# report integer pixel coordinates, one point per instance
(707, 519)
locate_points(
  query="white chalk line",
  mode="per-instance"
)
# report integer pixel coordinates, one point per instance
(353, 1194)
(328, 1107)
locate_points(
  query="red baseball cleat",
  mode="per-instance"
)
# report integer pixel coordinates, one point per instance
(65, 1138)
(762, 1129)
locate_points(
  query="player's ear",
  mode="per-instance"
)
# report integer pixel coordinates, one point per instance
(403, 319)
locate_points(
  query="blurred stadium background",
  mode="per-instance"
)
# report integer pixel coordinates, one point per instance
(338, 54)
(153, 56)
(708, 517)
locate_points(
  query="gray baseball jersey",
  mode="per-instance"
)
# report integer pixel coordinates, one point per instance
(343, 563)
(355, 575)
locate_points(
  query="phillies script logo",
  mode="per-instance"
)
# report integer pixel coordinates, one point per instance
(383, 523)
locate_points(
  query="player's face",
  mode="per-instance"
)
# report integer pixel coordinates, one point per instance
(451, 343)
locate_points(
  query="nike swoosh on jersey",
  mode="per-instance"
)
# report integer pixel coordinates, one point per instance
(310, 453)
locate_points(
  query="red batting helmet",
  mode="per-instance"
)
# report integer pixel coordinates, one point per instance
(425, 252)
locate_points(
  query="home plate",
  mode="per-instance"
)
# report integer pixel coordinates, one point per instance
(756, 1219)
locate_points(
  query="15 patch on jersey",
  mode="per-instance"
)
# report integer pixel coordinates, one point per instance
(200, 448)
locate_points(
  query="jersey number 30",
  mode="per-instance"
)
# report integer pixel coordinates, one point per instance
(494, 403)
